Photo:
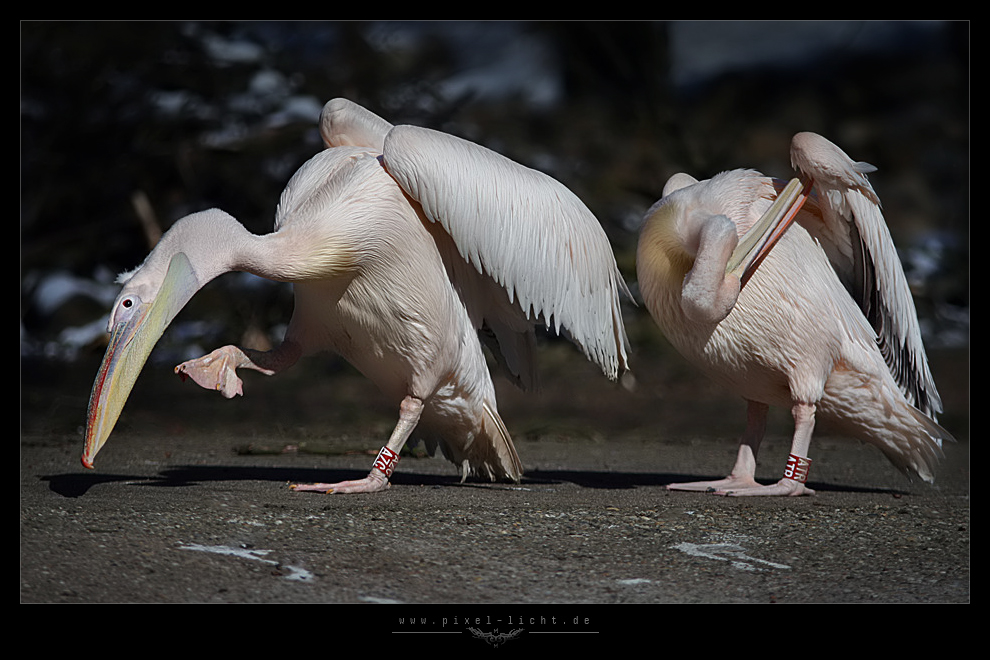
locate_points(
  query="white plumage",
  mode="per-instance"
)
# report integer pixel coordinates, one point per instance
(825, 326)
(402, 244)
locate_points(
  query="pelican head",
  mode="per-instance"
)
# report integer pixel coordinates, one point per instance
(683, 218)
(151, 297)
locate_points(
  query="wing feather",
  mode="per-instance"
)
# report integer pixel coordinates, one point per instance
(859, 244)
(516, 226)
(522, 228)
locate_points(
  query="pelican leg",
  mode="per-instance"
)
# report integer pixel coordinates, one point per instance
(792, 484)
(377, 480)
(743, 473)
(217, 370)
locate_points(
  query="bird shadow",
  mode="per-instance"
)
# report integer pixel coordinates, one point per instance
(73, 485)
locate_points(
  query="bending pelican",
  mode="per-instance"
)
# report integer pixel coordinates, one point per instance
(825, 326)
(402, 244)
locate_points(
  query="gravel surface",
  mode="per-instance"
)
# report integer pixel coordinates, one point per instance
(177, 513)
(197, 510)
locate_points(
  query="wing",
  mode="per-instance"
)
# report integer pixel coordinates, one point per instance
(502, 326)
(518, 228)
(522, 228)
(855, 236)
(346, 124)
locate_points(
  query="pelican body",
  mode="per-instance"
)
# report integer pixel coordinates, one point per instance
(402, 244)
(819, 320)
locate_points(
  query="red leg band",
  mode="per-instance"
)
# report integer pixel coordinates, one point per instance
(797, 468)
(386, 461)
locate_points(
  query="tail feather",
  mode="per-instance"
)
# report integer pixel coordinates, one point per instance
(487, 453)
(505, 456)
(918, 454)
(909, 439)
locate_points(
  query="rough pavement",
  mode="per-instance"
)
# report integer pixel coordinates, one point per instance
(192, 509)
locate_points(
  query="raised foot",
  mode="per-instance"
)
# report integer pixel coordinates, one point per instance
(216, 371)
(373, 483)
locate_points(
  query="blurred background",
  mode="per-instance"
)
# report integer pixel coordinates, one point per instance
(126, 127)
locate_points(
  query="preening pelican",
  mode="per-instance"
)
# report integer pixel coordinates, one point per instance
(402, 244)
(817, 317)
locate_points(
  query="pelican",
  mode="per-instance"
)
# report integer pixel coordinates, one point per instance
(403, 245)
(815, 315)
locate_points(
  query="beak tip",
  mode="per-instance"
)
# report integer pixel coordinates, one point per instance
(88, 464)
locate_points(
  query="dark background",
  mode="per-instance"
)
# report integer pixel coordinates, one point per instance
(124, 123)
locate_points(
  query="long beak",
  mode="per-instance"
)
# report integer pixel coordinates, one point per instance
(130, 345)
(756, 244)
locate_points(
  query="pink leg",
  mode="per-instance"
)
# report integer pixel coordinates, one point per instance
(804, 426)
(377, 479)
(217, 371)
(744, 471)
